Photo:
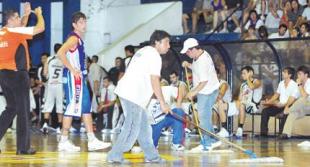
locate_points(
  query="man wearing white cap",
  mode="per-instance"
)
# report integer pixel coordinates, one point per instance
(206, 85)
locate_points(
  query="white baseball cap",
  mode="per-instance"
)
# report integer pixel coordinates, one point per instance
(189, 43)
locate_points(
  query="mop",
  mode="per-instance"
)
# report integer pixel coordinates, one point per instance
(253, 158)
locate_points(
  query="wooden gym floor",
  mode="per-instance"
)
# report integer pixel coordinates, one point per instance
(48, 156)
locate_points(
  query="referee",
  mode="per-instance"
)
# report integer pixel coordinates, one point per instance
(14, 77)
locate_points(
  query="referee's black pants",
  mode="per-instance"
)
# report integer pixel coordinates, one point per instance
(15, 86)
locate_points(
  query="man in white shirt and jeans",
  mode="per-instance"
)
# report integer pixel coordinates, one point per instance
(206, 85)
(135, 89)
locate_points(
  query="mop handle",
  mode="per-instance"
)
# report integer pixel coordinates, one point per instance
(210, 133)
(192, 104)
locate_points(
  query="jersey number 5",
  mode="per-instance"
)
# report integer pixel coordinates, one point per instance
(56, 73)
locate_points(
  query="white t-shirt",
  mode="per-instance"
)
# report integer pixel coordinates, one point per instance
(110, 96)
(135, 86)
(155, 113)
(228, 95)
(286, 92)
(55, 68)
(273, 22)
(306, 13)
(307, 87)
(276, 36)
(257, 25)
(203, 70)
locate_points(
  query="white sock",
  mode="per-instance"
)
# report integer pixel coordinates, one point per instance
(63, 138)
(91, 136)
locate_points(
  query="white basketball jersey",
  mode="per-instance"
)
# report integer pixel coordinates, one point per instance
(55, 69)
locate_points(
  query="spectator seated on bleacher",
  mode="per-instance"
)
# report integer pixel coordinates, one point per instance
(254, 20)
(282, 33)
(301, 107)
(285, 96)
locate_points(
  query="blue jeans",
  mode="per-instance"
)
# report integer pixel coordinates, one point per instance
(204, 107)
(135, 127)
(177, 126)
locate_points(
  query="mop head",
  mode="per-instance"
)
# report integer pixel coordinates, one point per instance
(266, 160)
(304, 144)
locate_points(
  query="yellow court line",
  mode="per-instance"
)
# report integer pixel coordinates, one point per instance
(71, 158)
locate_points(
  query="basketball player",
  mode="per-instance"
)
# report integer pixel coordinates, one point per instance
(77, 95)
(54, 90)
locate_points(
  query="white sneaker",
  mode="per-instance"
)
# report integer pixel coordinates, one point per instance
(96, 144)
(9, 130)
(136, 150)
(239, 132)
(44, 128)
(58, 130)
(237, 30)
(82, 129)
(166, 132)
(177, 147)
(72, 130)
(223, 133)
(67, 146)
(187, 130)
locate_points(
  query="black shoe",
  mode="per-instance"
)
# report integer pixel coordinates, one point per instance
(283, 136)
(30, 151)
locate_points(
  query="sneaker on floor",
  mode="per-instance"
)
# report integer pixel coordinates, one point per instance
(136, 149)
(82, 130)
(223, 133)
(96, 144)
(187, 130)
(239, 132)
(199, 149)
(67, 146)
(166, 132)
(9, 130)
(158, 160)
(73, 130)
(44, 128)
(177, 147)
(58, 130)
